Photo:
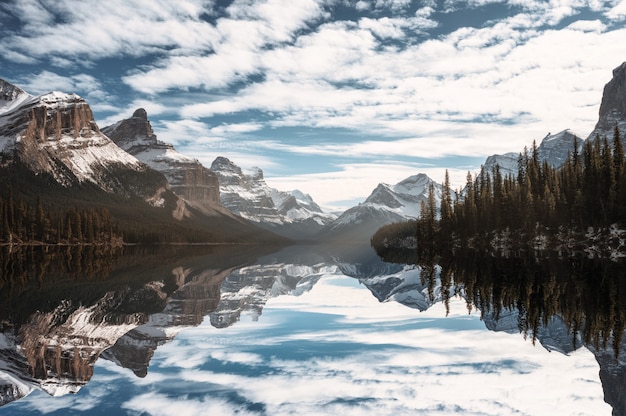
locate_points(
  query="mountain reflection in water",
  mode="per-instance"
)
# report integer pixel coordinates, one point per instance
(78, 321)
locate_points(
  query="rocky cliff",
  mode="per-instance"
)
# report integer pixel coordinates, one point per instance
(187, 177)
(56, 134)
(613, 106)
(292, 214)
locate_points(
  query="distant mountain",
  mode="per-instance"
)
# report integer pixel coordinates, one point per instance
(613, 106)
(292, 214)
(554, 149)
(385, 205)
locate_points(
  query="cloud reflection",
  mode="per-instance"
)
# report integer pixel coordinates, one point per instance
(336, 350)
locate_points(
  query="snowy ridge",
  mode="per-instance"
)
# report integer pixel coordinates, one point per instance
(554, 149)
(56, 133)
(245, 193)
(385, 205)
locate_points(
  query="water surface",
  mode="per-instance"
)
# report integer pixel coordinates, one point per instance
(307, 330)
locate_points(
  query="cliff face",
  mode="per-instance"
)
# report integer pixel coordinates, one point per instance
(613, 106)
(56, 134)
(187, 177)
(198, 295)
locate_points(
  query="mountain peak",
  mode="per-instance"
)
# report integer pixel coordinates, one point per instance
(224, 166)
(187, 177)
(8, 91)
(141, 113)
(132, 132)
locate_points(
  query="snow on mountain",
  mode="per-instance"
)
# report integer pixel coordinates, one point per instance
(386, 204)
(187, 177)
(554, 149)
(55, 133)
(292, 214)
(11, 96)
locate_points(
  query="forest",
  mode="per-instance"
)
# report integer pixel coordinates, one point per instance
(36, 210)
(589, 190)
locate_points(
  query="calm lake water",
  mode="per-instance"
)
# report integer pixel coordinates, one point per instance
(306, 330)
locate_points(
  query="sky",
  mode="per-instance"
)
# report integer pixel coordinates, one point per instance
(327, 96)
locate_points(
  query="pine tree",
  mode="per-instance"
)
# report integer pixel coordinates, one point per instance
(446, 204)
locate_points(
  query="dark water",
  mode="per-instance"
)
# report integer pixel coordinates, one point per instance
(308, 330)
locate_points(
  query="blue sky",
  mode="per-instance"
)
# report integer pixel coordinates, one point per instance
(327, 96)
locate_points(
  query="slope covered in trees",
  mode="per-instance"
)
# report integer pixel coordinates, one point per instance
(539, 202)
(35, 209)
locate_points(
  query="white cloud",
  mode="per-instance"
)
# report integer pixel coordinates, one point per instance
(163, 405)
(47, 81)
(123, 28)
(617, 12)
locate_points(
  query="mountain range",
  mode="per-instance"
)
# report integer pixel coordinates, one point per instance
(54, 138)
(293, 214)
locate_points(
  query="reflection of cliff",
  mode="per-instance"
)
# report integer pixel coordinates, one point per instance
(199, 294)
(56, 351)
(53, 327)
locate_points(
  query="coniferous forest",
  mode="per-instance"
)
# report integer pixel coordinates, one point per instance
(540, 202)
(36, 210)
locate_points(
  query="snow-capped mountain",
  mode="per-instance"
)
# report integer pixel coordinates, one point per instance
(554, 149)
(386, 204)
(187, 177)
(291, 214)
(55, 133)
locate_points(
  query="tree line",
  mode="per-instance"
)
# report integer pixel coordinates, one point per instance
(588, 190)
(23, 222)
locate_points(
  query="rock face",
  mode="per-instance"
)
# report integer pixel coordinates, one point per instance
(56, 134)
(386, 204)
(187, 177)
(9, 92)
(291, 214)
(613, 105)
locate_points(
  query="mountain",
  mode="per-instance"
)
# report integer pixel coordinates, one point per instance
(187, 177)
(385, 205)
(554, 149)
(292, 214)
(613, 106)
(56, 134)
(53, 152)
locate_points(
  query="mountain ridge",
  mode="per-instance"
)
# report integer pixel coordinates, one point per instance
(293, 214)
(52, 150)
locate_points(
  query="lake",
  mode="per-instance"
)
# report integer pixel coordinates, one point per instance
(307, 329)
